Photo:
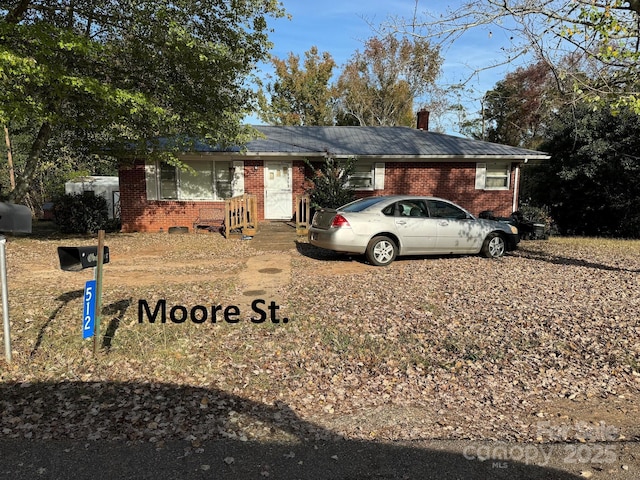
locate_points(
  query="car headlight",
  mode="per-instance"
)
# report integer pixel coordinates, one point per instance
(514, 230)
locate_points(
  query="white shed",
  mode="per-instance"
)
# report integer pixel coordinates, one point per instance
(105, 186)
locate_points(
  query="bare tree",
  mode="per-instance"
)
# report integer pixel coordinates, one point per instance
(602, 37)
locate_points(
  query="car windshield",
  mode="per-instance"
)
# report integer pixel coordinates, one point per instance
(360, 205)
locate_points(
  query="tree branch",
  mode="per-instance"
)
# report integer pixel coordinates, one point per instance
(17, 14)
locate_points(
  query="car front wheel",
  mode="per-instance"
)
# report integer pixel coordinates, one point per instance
(494, 246)
(381, 251)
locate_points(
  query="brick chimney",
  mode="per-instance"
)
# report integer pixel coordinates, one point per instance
(423, 119)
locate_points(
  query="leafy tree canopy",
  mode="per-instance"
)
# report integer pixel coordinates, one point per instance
(516, 111)
(119, 73)
(300, 94)
(379, 85)
(591, 182)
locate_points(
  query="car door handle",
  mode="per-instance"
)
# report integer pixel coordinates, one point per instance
(401, 222)
(443, 223)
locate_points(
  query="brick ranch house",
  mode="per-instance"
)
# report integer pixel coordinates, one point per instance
(389, 160)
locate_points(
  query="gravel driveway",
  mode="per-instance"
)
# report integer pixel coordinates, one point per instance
(518, 348)
(540, 345)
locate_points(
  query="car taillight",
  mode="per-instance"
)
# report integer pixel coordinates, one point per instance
(339, 221)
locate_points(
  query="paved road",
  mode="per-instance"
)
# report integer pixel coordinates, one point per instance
(444, 460)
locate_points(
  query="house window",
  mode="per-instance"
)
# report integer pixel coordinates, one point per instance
(168, 182)
(493, 176)
(206, 180)
(367, 176)
(362, 177)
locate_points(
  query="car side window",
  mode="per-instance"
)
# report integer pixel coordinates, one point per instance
(412, 208)
(389, 210)
(440, 209)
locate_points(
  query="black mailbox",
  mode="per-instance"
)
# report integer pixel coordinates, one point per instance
(74, 259)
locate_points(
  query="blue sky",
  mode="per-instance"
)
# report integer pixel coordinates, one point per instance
(340, 27)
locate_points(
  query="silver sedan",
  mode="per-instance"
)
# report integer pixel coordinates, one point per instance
(383, 228)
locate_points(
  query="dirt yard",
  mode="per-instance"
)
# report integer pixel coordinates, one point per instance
(540, 346)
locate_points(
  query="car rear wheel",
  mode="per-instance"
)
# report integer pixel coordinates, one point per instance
(381, 251)
(494, 246)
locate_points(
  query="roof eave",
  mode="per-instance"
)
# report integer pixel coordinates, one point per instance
(390, 158)
(404, 158)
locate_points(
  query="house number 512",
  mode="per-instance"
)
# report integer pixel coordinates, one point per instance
(89, 309)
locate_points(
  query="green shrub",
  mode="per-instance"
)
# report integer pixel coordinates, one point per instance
(331, 183)
(81, 213)
(535, 214)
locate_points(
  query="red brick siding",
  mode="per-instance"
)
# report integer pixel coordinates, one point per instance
(254, 183)
(453, 181)
(133, 198)
(141, 215)
(299, 182)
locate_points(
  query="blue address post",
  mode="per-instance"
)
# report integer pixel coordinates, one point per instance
(89, 309)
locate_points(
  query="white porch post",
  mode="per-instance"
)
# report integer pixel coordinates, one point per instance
(516, 189)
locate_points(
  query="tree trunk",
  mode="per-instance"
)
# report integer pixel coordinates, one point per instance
(12, 178)
(634, 6)
(25, 180)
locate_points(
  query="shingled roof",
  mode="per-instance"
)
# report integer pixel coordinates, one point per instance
(390, 142)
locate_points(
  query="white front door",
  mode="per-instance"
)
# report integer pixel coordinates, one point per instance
(278, 196)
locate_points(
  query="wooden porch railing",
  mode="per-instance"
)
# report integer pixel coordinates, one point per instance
(303, 214)
(241, 215)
